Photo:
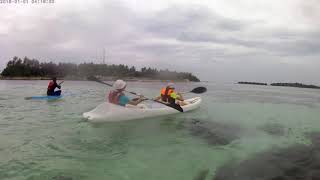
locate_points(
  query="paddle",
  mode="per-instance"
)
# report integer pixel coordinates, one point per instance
(197, 90)
(175, 106)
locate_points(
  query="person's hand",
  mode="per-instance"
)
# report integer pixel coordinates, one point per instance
(180, 97)
(143, 98)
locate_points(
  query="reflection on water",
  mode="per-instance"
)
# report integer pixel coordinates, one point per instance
(240, 132)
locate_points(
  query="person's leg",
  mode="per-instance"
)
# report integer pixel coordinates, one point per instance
(57, 93)
(181, 103)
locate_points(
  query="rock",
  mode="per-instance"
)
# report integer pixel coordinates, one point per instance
(201, 175)
(293, 163)
(273, 129)
(214, 133)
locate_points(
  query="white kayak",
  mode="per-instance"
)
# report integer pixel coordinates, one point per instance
(107, 112)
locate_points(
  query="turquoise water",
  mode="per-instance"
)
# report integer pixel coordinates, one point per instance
(49, 139)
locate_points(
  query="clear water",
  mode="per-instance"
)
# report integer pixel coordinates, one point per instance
(49, 139)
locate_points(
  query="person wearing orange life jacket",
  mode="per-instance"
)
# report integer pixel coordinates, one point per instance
(168, 95)
(117, 96)
(52, 86)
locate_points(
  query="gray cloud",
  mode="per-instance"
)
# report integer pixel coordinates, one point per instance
(201, 25)
(184, 38)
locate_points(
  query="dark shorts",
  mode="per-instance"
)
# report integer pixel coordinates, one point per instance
(55, 93)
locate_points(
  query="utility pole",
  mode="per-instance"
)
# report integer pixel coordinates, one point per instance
(104, 55)
(97, 55)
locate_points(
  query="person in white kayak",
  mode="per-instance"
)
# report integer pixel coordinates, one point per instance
(168, 95)
(117, 96)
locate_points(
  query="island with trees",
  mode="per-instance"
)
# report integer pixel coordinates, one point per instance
(26, 68)
(252, 83)
(297, 85)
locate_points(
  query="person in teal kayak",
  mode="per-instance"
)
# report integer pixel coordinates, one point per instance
(117, 96)
(52, 86)
(168, 95)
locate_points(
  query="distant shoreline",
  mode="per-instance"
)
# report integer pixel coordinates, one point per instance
(253, 83)
(296, 85)
(101, 78)
(25, 78)
(31, 69)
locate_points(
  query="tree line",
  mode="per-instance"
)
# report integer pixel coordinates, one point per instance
(26, 67)
(298, 85)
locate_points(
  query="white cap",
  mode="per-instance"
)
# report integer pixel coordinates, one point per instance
(119, 84)
(170, 84)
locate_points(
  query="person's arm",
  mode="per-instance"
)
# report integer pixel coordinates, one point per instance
(180, 97)
(136, 102)
(176, 96)
(157, 98)
(57, 85)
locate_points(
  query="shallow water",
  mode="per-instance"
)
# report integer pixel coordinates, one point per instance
(49, 139)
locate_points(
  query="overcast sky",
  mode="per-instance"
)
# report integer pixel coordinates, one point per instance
(229, 40)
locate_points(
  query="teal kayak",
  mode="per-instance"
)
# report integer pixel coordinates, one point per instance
(42, 97)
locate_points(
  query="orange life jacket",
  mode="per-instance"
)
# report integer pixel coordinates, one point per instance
(114, 97)
(166, 95)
